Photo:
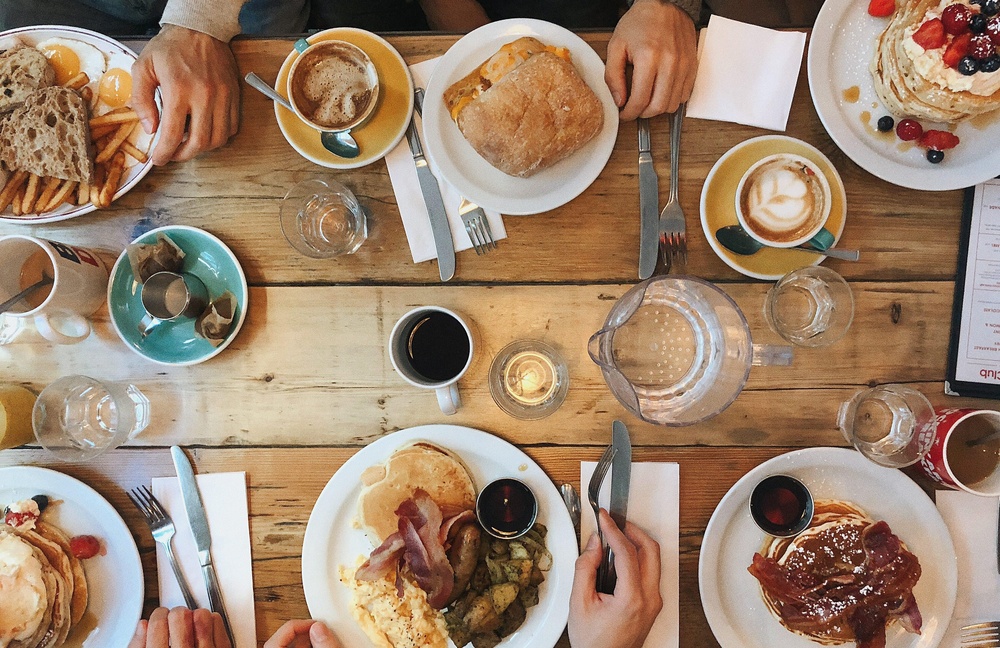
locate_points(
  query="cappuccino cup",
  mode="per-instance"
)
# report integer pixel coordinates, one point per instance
(784, 200)
(333, 85)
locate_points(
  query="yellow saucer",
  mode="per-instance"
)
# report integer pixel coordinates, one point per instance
(383, 129)
(718, 205)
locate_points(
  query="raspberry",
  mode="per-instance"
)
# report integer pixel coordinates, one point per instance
(981, 47)
(938, 140)
(956, 18)
(908, 130)
(993, 29)
(85, 546)
(931, 34)
(958, 49)
(881, 8)
(15, 520)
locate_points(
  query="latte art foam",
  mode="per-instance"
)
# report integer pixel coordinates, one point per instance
(333, 85)
(783, 199)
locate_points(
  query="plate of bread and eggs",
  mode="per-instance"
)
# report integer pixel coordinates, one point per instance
(69, 143)
(358, 510)
(518, 118)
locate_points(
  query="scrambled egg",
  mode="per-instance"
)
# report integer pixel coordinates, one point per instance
(393, 622)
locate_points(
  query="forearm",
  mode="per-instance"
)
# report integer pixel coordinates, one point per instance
(454, 15)
(220, 19)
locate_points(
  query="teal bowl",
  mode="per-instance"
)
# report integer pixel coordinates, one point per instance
(176, 343)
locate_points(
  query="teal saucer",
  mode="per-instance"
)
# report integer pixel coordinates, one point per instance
(176, 343)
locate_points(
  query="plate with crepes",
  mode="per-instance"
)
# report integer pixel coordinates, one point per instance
(841, 47)
(731, 596)
(107, 63)
(334, 538)
(114, 581)
(474, 177)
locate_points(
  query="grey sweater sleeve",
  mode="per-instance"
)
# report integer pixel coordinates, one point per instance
(219, 19)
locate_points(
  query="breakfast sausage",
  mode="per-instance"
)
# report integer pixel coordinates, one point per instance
(464, 556)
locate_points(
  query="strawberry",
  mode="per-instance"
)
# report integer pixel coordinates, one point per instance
(958, 49)
(85, 546)
(938, 140)
(931, 34)
(881, 8)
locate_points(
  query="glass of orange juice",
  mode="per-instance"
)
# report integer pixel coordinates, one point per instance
(16, 403)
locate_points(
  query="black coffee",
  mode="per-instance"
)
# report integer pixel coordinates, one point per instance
(437, 346)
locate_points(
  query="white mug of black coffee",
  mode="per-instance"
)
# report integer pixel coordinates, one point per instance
(431, 347)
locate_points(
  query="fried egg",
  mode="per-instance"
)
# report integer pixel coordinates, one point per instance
(69, 57)
(23, 596)
(115, 87)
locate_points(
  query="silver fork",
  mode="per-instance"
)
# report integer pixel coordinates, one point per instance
(673, 231)
(981, 635)
(593, 491)
(162, 528)
(477, 226)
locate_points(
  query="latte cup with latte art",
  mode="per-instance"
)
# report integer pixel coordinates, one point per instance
(784, 200)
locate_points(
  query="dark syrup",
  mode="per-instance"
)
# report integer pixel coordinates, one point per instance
(506, 508)
(781, 506)
(437, 346)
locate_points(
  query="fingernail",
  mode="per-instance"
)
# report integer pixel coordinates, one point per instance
(617, 97)
(138, 629)
(320, 630)
(147, 125)
(592, 543)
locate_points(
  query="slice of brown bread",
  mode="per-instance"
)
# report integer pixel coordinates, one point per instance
(22, 71)
(49, 136)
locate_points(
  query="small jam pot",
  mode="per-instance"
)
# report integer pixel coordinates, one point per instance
(781, 506)
(506, 508)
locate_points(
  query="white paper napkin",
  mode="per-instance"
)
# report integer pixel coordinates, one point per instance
(654, 506)
(405, 185)
(972, 521)
(225, 498)
(746, 74)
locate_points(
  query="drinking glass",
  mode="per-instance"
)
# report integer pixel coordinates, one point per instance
(893, 425)
(528, 379)
(322, 219)
(77, 418)
(811, 306)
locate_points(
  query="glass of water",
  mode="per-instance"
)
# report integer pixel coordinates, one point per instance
(811, 306)
(77, 418)
(893, 425)
(323, 219)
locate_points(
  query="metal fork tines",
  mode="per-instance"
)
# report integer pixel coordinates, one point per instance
(981, 635)
(673, 231)
(593, 492)
(162, 528)
(477, 226)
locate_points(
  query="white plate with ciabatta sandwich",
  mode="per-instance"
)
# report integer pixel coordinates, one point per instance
(393, 555)
(69, 143)
(518, 118)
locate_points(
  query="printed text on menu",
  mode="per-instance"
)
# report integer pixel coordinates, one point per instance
(979, 339)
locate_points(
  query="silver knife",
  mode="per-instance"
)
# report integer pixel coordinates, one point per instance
(432, 197)
(621, 480)
(199, 529)
(649, 207)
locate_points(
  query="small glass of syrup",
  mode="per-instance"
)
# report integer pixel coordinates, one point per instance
(506, 508)
(781, 506)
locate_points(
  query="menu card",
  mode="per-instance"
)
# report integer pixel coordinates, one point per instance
(974, 355)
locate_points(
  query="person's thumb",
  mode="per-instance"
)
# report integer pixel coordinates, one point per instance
(139, 639)
(321, 637)
(585, 579)
(143, 99)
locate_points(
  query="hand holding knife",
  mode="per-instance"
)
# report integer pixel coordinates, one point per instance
(621, 478)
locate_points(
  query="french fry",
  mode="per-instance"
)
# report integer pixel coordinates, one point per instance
(30, 194)
(50, 186)
(59, 197)
(100, 172)
(86, 94)
(114, 117)
(83, 193)
(78, 81)
(136, 154)
(102, 131)
(113, 180)
(18, 199)
(115, 142)
(14, 182)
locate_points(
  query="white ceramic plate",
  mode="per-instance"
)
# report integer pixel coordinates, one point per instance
(840, 48)
(731, 596)
(114, 580)
(332, 540)
(108, 46)
(477, 179)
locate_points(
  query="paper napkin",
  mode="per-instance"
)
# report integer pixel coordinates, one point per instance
(225, 498)
(654, 506)
(972, 521)
(746, 74)
(405, 185)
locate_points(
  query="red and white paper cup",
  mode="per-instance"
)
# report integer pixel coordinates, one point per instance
(936, 465)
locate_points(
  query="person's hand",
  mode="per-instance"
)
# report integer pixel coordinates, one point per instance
(181, 628)
(659, 40)
(198, 81)
(303, 634)
(622, 619)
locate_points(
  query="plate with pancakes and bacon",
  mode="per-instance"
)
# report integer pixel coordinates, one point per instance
(874, 569)
(518, 118)
(394, 557)
(908, 95)
(70, 573)
(69, 143)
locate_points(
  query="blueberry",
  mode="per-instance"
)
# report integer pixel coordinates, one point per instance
(42, 501)
(992, 64)
(885, 124)
(990, 8)
(977, 24)
(968, 66)
(976, 2)
(934, 156)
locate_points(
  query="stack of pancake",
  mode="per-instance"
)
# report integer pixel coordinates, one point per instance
(43, 587)
(924, 91)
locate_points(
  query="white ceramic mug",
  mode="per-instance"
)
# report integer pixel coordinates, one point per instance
(79, 286)
(401, 339)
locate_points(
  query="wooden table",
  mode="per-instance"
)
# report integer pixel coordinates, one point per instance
(308, 382)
